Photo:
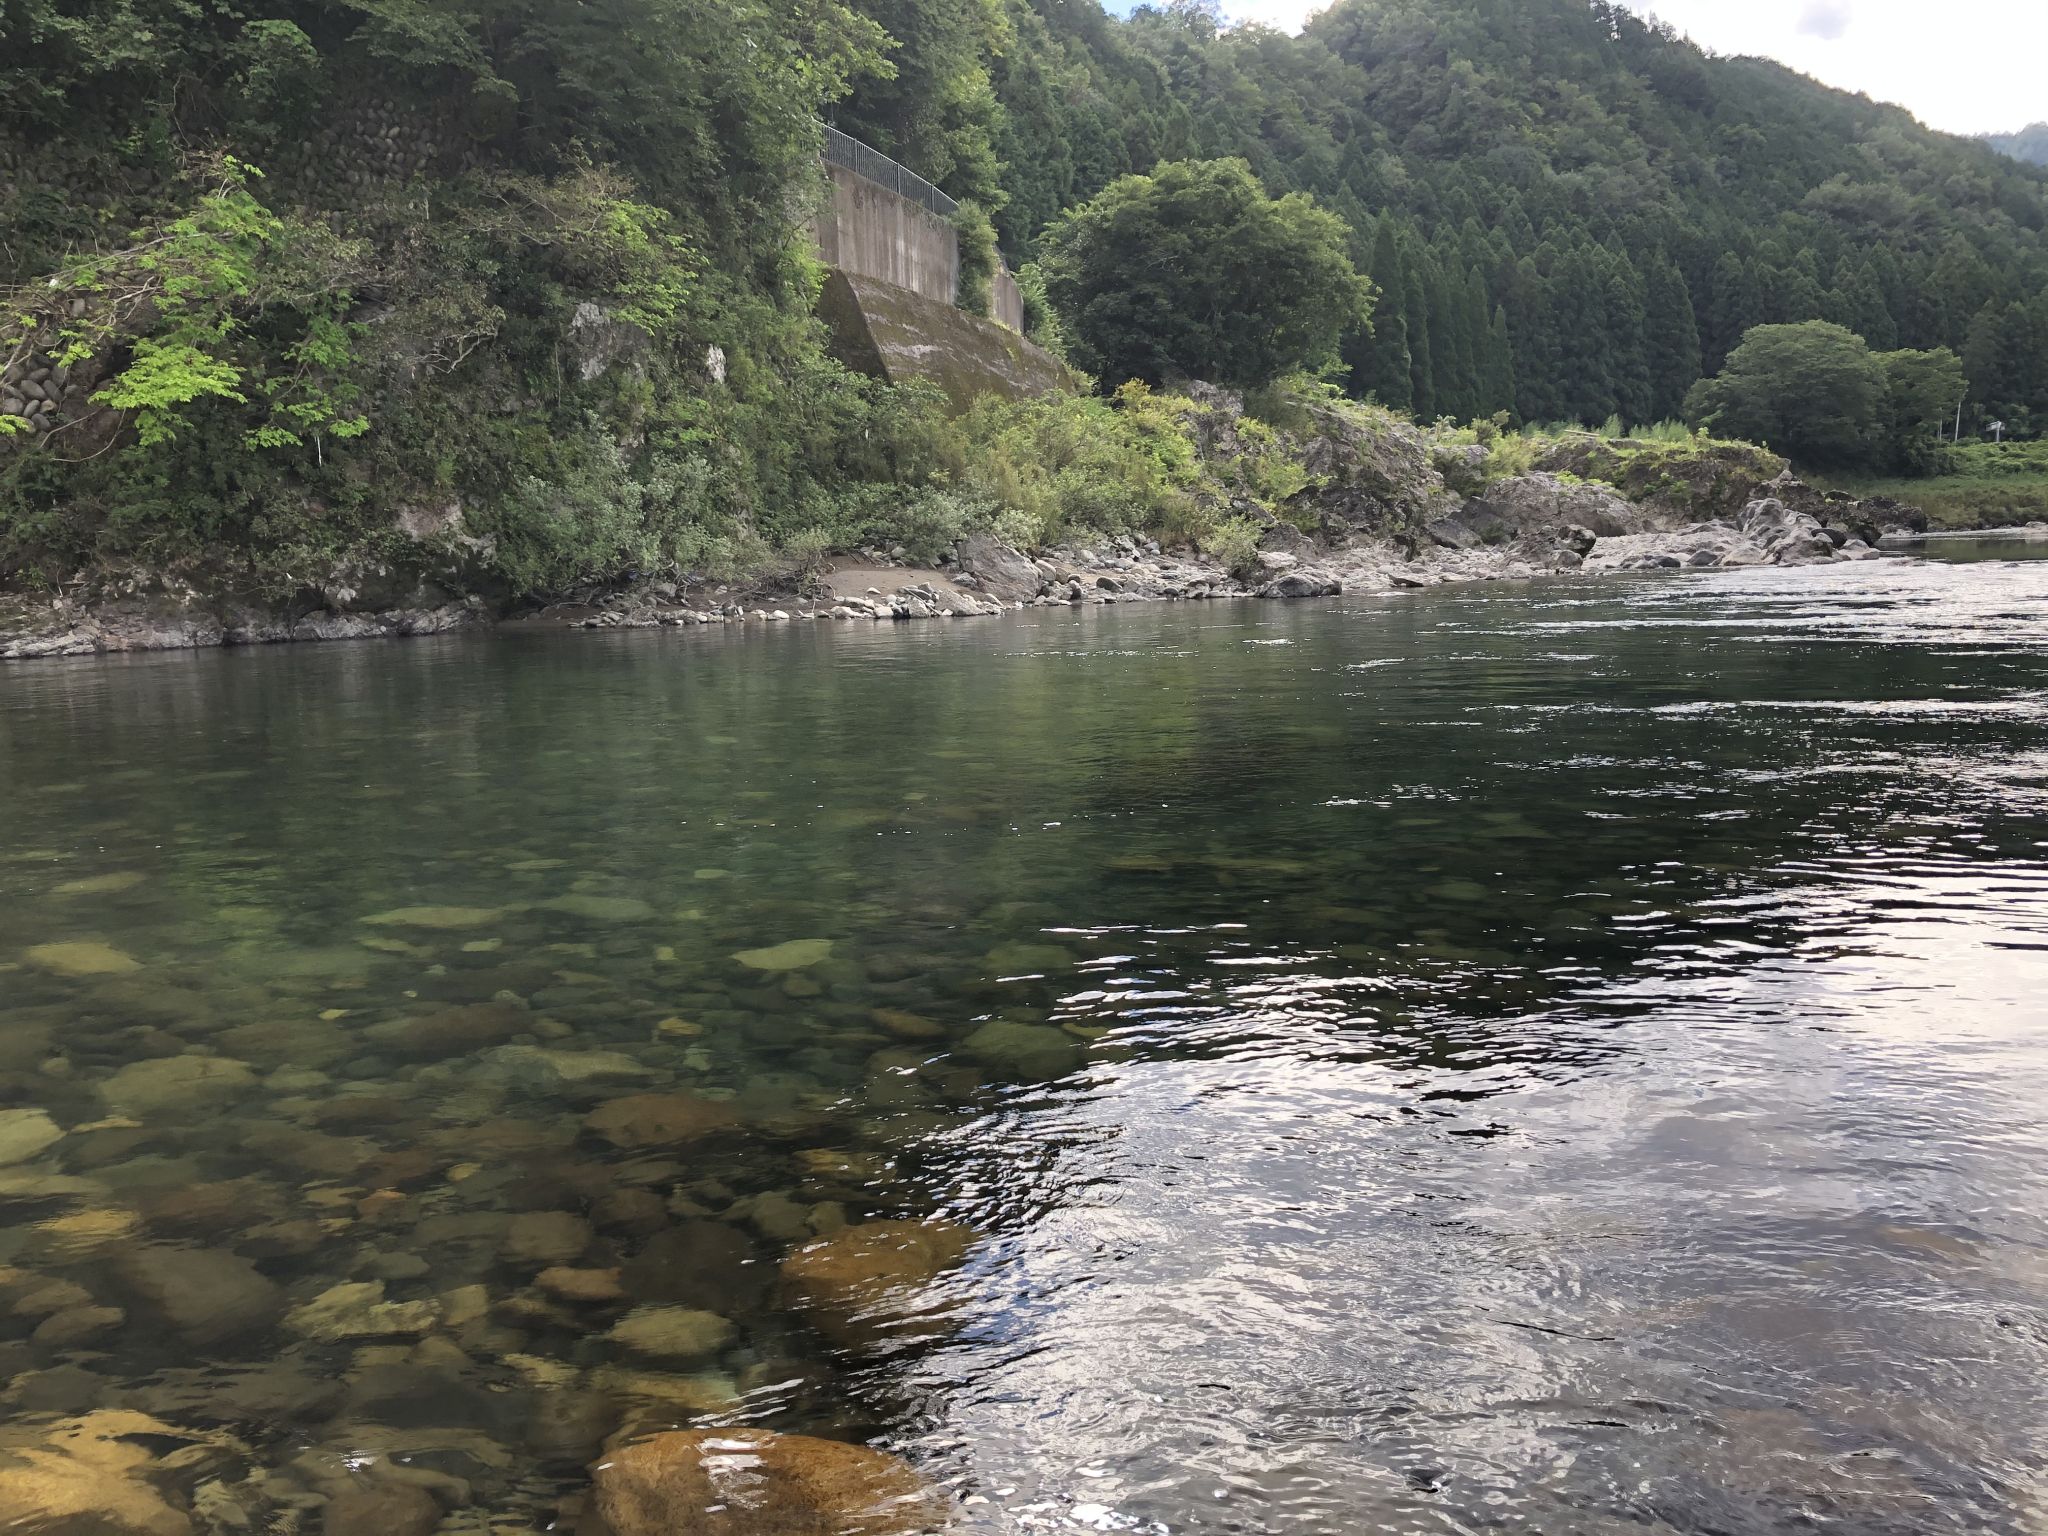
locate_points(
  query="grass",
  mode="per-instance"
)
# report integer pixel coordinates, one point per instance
(1989, 485)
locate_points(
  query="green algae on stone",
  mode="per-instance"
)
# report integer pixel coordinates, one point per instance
(601, 909)
(436, 917)
(791, 955)
(100, 885)
(82, 957)
(1022, 959)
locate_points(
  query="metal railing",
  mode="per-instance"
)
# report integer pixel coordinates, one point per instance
(844, 149)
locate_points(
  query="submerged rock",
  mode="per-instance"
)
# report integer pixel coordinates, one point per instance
(545, 1237)
(208, 1295)
(1028, 1051)
(436, 917)
(871, 1281)
(359, 1311)
(601, 909)
(99, 1475)
(26, 1133)
(452, 1031)
(176, 1084)
(380, 1508)
(82, 957)
(792, 955)
(754, 1482)
(675, 1333)
(644, 1120)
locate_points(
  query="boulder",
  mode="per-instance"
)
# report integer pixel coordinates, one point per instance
(998, 569)
(1788, 537)
(1542, 502)
(1310, 583)
(872, 1282)
(754, 1482)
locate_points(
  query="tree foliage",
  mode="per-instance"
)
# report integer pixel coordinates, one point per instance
(1817, 393)
(1194, 272)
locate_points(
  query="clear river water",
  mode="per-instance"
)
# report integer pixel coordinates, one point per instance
(1552, 1058)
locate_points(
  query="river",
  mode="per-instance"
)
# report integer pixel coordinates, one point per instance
(1558, 1058)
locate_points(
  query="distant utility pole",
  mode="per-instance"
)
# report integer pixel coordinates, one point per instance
(1996, 429)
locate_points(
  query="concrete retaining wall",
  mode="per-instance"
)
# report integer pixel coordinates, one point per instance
(868, 230)
(1007, 303)
(898, 335)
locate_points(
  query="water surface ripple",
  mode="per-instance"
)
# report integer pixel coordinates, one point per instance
(1567, 1058)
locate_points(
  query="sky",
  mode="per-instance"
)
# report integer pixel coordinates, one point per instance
(1969, 66)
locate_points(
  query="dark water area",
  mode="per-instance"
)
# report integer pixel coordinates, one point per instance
(1965, 549)
(1564, 1058)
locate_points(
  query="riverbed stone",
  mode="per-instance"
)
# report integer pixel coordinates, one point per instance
(380, 1507)
(358, 1310)
(1031, 1052)
(791, 955)
(601, 909)
(672, 1333)
(697, 1263)
(77, 1325)
(645, 1120)
(754, 1482)
(457, 1031)
(26, 1133)
(594, 1286)
(545, 1237)
(871, 1282)
(208, 1295)
(91, 1476)
(170, 1085)
(82, 957)
(436, 918)
(540, 1070)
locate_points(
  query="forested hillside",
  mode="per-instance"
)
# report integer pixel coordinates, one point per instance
(1570, 212)
(2029, 144)
(308, 286)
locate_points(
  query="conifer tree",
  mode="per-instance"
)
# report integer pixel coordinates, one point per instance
(1671, 339)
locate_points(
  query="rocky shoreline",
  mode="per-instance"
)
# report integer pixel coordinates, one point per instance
(1526, 527)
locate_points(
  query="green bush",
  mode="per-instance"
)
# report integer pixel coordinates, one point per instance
(1234, 543)
(977, 241)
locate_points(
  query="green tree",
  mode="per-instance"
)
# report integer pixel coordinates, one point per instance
(1671, 339)
(1812, 391)
(1195, 272)
(1381, 365)
(1921, 389)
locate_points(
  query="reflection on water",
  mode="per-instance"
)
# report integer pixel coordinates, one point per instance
(1554, 1059)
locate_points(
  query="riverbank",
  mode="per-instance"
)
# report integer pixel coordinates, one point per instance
(1534, 526)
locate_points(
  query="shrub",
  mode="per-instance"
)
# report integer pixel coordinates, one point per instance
(1234, 543)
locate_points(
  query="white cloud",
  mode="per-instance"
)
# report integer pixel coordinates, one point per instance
(1825, 19)
(1971, 67)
